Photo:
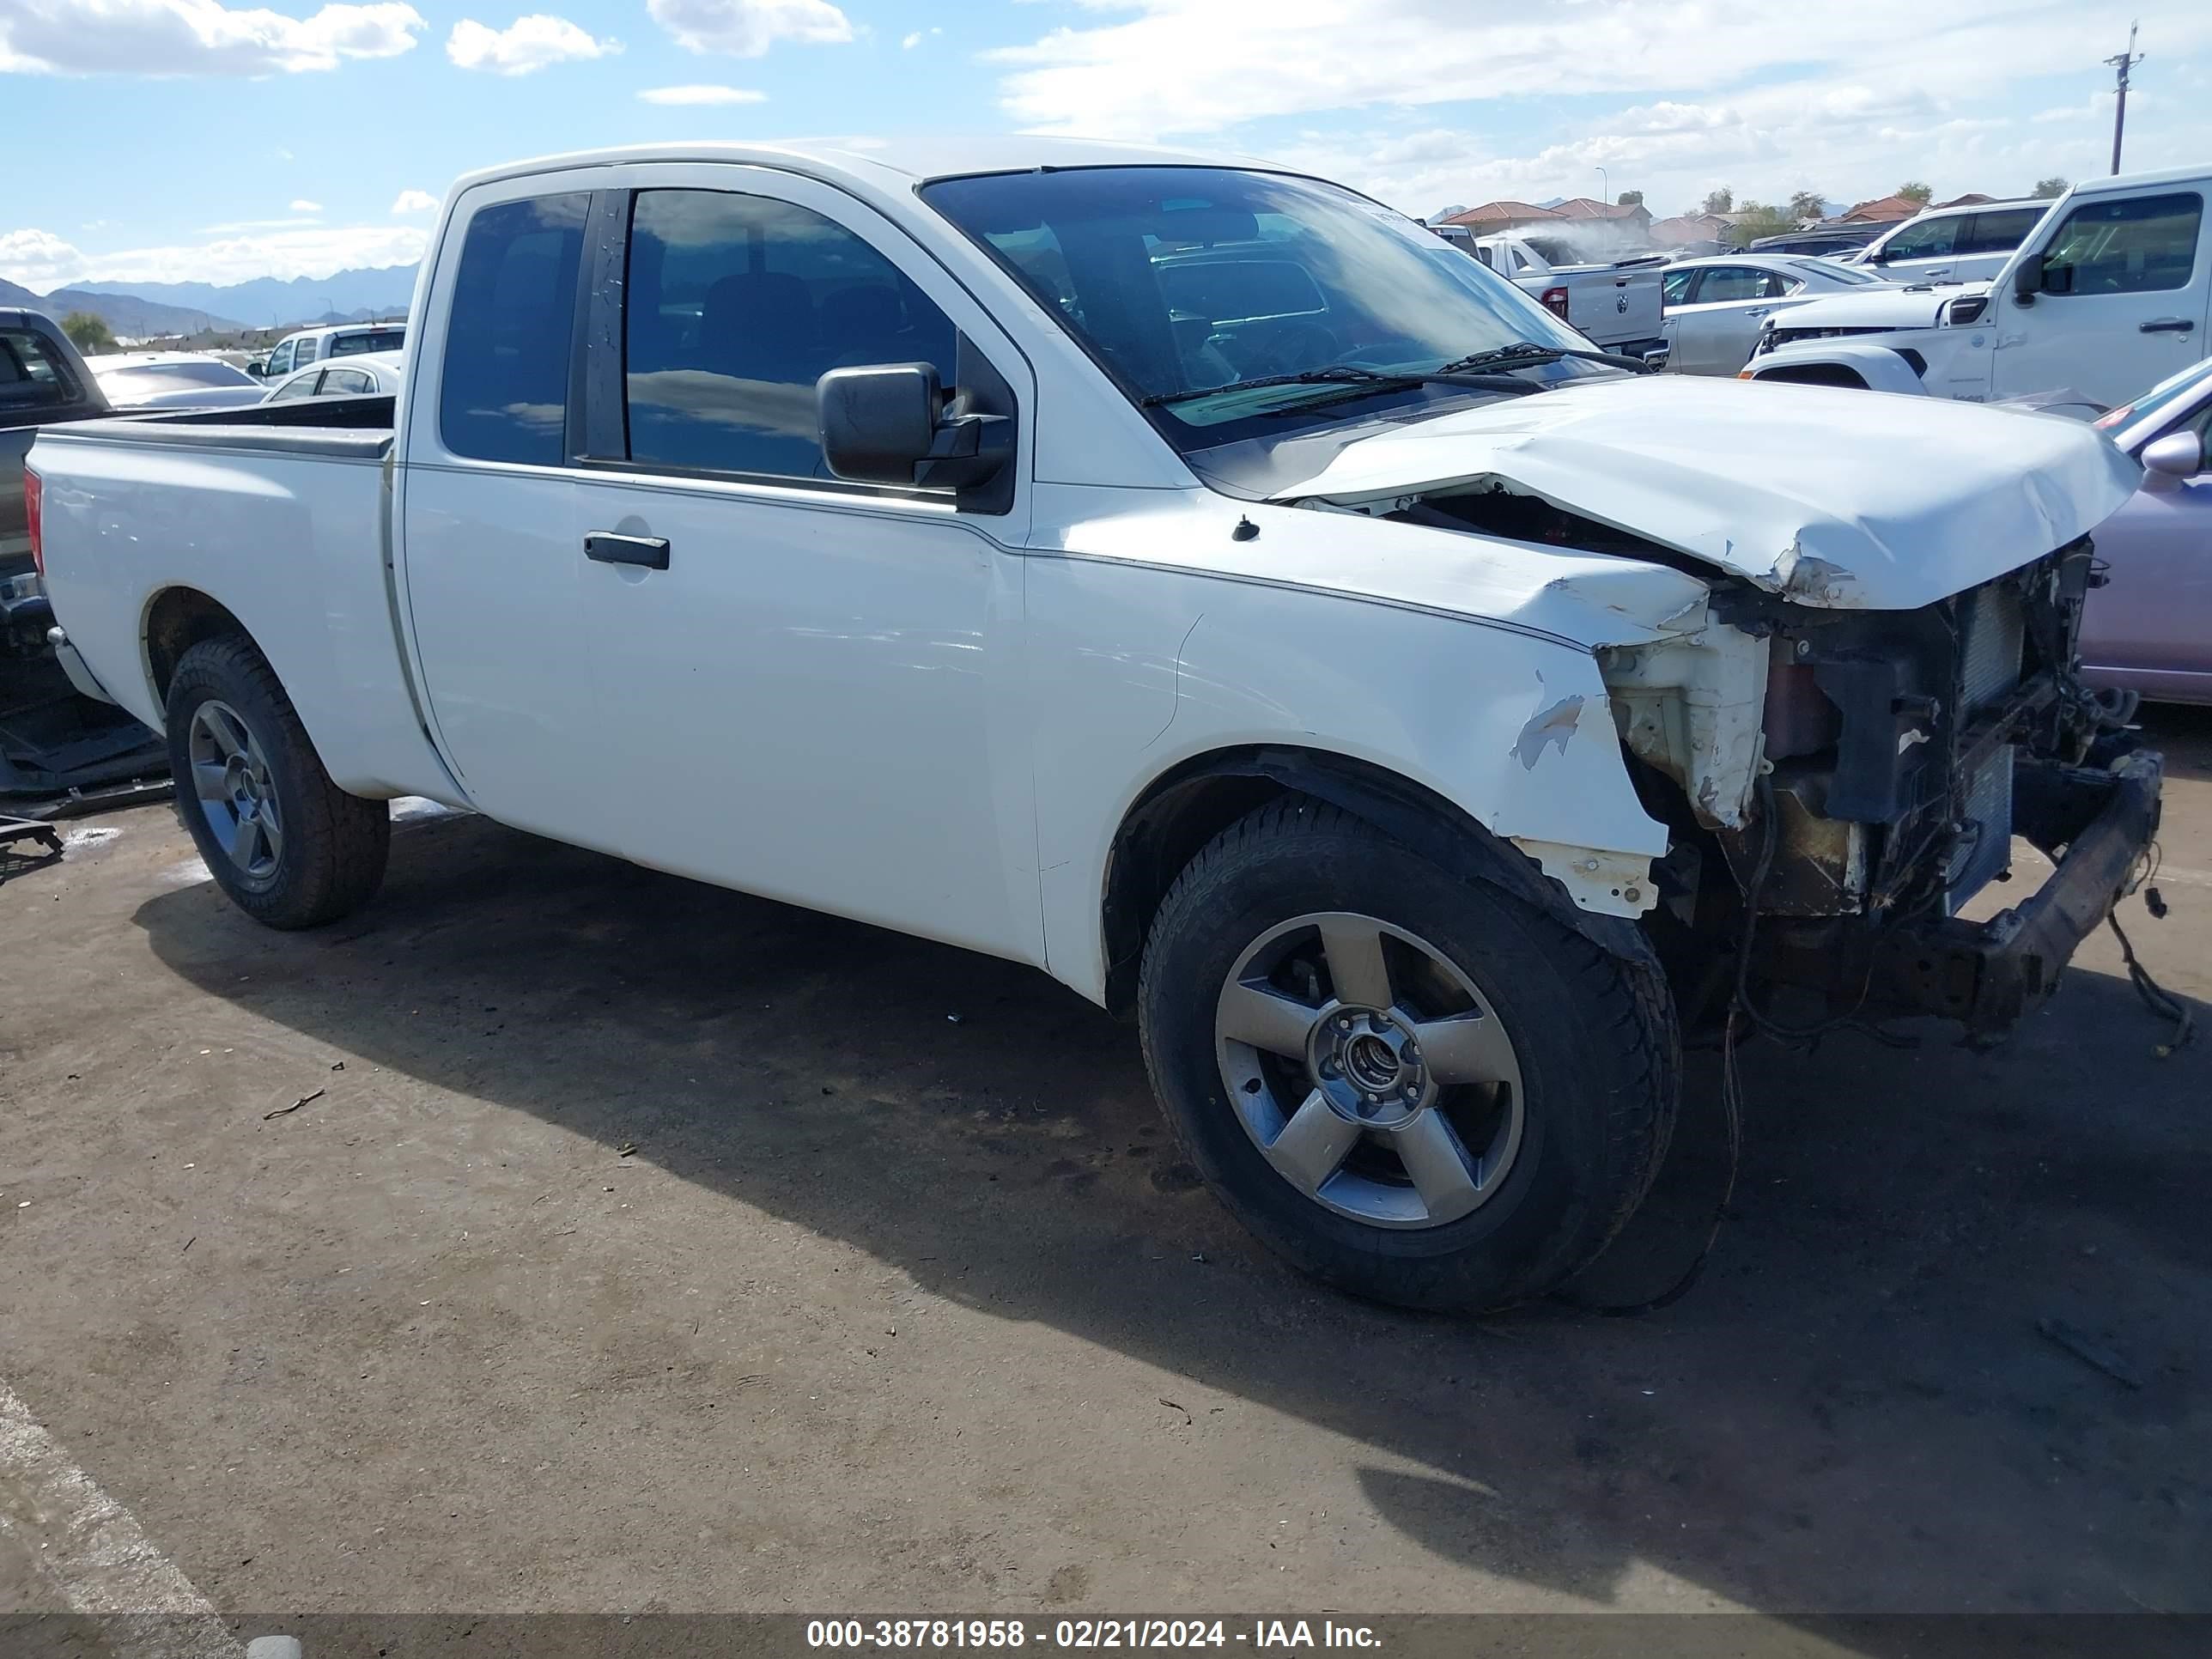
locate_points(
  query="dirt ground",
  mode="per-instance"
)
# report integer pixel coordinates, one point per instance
(648, 1247)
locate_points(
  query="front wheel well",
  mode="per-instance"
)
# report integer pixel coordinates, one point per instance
(179, 619)
(1186, 808)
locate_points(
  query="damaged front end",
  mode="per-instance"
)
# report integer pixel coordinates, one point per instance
(1899, 755)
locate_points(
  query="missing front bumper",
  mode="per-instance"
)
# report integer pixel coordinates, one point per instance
(2095, 824)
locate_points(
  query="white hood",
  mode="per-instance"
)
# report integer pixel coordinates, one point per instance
(1830, 497)
(1880, 307)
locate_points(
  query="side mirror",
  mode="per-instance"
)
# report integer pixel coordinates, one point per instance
(2028, 278)
(891, 423)
(258, 371)
(2167, 461)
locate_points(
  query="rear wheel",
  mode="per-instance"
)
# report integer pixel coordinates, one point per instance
(1411, 1085)
(289, 846)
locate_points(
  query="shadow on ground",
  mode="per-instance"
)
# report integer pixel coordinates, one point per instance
(1855, 1411)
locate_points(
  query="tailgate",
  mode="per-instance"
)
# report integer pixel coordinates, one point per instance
(1612, 306)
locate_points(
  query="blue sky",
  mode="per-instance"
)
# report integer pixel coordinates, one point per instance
(197, 141)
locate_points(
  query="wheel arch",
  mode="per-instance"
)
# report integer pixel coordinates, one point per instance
(177, 618)
(1181, 810)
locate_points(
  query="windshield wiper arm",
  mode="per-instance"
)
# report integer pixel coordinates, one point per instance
(1335, 375)
(1526, 354)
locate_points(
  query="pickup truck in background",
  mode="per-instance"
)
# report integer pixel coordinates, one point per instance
(2110, 294)
(1187, 578)
(53, 736)
(1617, 306)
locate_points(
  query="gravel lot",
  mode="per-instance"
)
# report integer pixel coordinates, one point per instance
(646, 1247)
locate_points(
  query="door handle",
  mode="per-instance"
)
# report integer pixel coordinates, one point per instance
(607, 548)
(2167, 325)
(1758, 311)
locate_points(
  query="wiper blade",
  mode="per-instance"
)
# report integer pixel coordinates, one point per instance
(1350, 374)
(1526, 354)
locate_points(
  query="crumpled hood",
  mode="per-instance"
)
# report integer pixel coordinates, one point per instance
(1880, 307)
(1832, 497)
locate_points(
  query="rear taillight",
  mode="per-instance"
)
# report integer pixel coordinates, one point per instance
(1555, 301)
(32, 492)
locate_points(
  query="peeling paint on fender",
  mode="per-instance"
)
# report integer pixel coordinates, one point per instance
(1548, 727)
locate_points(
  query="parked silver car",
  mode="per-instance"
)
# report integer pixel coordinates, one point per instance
(2149, 628)
(172, 379)
(360, 376)
(1716, 306)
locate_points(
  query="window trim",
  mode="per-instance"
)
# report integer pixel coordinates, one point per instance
(599, 406)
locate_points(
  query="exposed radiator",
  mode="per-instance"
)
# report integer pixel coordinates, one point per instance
(1993, 632)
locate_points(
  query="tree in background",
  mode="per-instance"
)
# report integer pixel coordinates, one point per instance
(1757, 219)
(88, 333)
(1916, 192)
(1807, 204)
(2046, 189)
(1630, 198)
(1720, 201)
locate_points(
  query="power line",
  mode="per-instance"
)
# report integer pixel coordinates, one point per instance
(2122, 66)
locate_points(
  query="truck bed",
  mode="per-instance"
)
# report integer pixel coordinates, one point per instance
(284, 510)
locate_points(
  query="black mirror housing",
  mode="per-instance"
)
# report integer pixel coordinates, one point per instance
(879, 421)
(2027, 279)
(891, 423)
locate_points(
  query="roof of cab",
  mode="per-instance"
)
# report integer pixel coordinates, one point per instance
(918, 160)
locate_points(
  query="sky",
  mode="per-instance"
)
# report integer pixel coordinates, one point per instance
(193, 141)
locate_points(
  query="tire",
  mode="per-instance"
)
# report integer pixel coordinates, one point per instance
(1571, 1110)
(317, 854)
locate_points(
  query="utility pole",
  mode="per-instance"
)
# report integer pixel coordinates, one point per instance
(2121, 67)
(1604, 189)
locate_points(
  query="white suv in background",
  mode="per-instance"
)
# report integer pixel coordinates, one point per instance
(337, 340)
(1952, 244)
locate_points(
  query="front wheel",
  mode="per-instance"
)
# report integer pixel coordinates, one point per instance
(289, 846)
(1411, 1085)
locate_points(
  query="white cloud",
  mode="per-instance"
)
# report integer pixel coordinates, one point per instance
(195, 37)
(1156, 67)
(684, 96)
(305, 206)
(524, 46)
(414, 201)
(37, 259)
(40, 260)
(915, 38)
(232, 226)
(747, 28)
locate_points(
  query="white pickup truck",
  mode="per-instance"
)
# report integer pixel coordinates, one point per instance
(1193, 579)
(2110, 294)
(1617, 307)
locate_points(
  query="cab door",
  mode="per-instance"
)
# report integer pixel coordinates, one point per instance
(2121, 303)
(800, 687)
(492, 560)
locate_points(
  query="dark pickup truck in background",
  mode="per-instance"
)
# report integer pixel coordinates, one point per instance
(55, 741)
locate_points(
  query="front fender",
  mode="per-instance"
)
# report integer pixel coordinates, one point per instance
(1513, 729)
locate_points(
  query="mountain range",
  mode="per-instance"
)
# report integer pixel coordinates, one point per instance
(143, 309)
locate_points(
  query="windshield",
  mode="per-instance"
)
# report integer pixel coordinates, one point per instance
(1186, 284)
(2167, 397)
(377, 339)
